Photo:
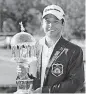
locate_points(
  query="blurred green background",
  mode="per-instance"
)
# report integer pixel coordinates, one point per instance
(30, 13)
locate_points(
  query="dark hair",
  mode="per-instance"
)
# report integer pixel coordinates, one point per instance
(62, 21)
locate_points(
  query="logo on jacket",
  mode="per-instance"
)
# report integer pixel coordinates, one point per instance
(57, 69)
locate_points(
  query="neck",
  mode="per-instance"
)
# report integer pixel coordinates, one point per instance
(50, 41)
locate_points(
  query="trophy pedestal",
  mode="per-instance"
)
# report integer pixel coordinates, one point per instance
(24, 86)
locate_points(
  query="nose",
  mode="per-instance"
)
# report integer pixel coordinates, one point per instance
(50, 25)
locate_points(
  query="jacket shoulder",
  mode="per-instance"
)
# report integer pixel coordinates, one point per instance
(71, 45)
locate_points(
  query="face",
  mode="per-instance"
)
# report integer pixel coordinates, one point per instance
(52, 26)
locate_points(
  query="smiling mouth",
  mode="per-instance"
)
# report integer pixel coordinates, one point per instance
(50, 30)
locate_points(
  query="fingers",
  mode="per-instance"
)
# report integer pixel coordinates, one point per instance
(18, 69)
(21, 71)
(30, 86)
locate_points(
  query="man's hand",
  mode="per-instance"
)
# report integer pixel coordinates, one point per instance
(38, 90)
(21, 71)
(31, 69)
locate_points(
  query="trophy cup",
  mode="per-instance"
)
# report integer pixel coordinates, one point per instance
(23, 51)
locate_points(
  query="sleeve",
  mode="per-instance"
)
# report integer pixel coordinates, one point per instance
(75, 77)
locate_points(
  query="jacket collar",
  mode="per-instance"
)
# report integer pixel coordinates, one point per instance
(42, 41)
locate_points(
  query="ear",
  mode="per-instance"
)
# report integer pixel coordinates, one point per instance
(63, 26)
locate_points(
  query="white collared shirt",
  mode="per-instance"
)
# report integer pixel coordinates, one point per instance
(46, 53)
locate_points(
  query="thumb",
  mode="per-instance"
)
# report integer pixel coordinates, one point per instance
(30, 86)
(30, 89)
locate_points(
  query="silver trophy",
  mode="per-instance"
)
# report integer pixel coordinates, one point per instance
(23, 51)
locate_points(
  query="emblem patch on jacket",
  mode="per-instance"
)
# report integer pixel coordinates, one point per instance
(57, 69)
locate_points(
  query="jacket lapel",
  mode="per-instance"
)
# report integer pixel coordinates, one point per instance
(58, 50)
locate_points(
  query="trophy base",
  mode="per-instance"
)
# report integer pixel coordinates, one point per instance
(24, 91)
(24, 84)
(20, 91)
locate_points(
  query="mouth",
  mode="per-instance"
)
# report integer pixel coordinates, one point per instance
(50, 31)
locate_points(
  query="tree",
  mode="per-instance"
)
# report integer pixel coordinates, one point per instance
(3, 10)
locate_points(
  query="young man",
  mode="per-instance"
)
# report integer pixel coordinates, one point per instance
(60, 63)
(61, 68)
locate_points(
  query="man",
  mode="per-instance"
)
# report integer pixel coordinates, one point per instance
(61, 68)
(60, 63)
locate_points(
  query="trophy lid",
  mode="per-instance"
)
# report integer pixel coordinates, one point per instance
(22, 38)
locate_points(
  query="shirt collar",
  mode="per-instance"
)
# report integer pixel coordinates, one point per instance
(42, 42)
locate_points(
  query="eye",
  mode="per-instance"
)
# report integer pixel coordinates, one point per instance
(56, 21)
(47, 21)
